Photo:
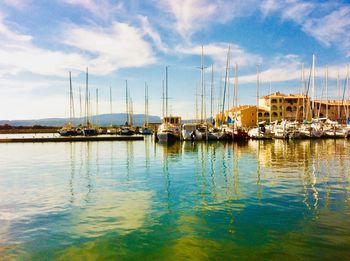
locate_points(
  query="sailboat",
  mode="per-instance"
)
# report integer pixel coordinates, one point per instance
(111, 130)
(68, 129)
(126, 129)
(221, 133)
(88, 130)
(146, 130)
(261, 132)
(238, 134)
(169, 130)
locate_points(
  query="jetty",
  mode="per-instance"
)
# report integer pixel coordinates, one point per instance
(71, 139)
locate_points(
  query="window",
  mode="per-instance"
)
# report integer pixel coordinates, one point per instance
(289, 109)
(280, 113)
(260, 114)
(274, 114)
(274, 107)
(266, 114)
(280, 100)
(273, 101)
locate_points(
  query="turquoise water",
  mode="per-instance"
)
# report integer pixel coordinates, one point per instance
(145, 201)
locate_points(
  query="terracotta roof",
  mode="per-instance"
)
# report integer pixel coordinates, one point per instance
(276, 94)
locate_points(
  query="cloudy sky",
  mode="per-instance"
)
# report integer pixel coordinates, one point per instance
(41, 41)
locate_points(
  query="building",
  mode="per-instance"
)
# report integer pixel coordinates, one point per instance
(290, 107)
(293, 107)
(244, 116)
(336, 111)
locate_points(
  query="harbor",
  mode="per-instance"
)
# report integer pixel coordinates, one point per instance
(166, 130)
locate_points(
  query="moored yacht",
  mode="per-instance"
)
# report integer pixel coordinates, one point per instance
(170, 129)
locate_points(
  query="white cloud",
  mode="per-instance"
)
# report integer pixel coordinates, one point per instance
(218, 53)
(283, 68)
(294, 10)
(333, 28)
(102, 8)
(119, 46)
(189, 16)
(327, 22)
(104, 50)
(148, 30)
(19, 54)
(288, 68)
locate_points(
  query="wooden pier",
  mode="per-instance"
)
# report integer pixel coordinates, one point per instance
(72, 139)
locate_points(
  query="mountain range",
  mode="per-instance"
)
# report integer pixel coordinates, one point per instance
(102, 120)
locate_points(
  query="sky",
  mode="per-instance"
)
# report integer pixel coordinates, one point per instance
(42, 41)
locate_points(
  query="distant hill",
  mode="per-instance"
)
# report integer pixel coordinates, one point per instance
(103, 119)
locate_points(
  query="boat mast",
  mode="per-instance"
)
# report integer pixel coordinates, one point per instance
(110, 104)
(87, 99)
(146, 106)
(211, 93)
(224, 94)
(236, 85)
(303, 88)
(348, 92)
(257, 93)
(202, 86)
(338, 88)
(196, 103)
(166, 91)
(71, 101)
(313, 86)
(89, 106)
(327, 92)
(163, 99)
(228, 80)
(131, 113)
(126, 103)
(97, 118)
(81, 109)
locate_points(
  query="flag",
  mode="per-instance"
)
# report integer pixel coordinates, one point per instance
(348, 121)
(213, 122)
(229, 120)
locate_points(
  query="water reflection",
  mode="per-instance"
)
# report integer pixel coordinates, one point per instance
(183, 200)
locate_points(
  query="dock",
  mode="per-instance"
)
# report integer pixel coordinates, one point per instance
(72, 139)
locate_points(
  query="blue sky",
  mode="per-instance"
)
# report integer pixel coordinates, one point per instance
(41, 41)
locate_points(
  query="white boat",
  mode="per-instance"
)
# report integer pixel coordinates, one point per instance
(169, 132)
(312, 131)
(188, 132)
(260, 133)
(280, 130)
(216, 134)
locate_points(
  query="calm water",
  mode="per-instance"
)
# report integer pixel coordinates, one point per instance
(146, 201)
